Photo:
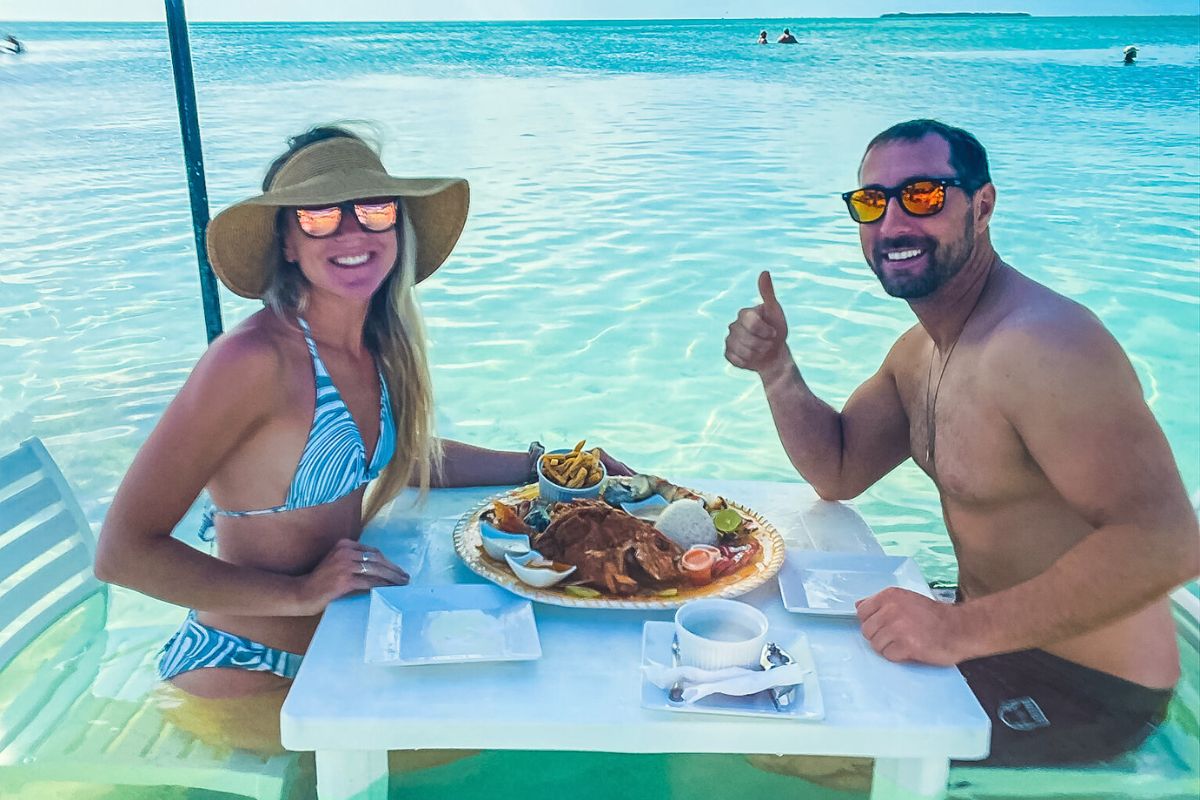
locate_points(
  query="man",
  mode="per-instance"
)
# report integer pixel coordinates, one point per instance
(1064, 505)
(786, 38)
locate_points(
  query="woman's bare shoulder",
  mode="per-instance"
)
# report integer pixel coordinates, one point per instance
(254, 352)
(246, 368)
(237, 385)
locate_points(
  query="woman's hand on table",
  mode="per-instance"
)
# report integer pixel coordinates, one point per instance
(348, 567)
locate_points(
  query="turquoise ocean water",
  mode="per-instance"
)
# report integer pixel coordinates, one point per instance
(629, 180)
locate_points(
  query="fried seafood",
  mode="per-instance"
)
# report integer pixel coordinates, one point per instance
(613, 551)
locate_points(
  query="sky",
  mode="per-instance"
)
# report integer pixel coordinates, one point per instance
(422, 10)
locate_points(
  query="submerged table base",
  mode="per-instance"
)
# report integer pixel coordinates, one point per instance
(583, 694)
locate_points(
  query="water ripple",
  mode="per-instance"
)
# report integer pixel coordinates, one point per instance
(629, 181)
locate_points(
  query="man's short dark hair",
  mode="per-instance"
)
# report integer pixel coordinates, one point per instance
(967, 156)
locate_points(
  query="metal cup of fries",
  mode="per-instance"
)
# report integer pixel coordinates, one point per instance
(574, 474)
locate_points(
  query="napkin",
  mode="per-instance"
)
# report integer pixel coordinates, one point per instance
(698, 683)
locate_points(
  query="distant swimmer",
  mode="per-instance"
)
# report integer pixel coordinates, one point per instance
(1130, 54)
(12, 45)
(762, 37)
(787, 38)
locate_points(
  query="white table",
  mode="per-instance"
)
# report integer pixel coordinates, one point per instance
(912, 719)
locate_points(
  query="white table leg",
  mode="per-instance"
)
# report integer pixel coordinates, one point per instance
(909, 778)
(352, 775)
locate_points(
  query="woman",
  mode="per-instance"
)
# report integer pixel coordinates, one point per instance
(333, 246)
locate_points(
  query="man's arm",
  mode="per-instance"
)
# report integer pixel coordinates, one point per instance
(1071, 394)
(839, 454)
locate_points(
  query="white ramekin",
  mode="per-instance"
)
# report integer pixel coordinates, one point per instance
(700, 617)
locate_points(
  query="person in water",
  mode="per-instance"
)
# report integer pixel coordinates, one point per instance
(1130, 53)
(786, 38)
(288, 417)
(762, 37)
(1067, 513)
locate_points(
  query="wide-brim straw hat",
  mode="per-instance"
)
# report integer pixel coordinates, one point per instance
(243, 243)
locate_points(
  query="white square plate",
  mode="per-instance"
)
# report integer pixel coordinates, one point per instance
(807, 704)
(446, 624)
(821, 582)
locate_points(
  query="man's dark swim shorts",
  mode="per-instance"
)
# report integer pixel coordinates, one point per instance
(1046, 710)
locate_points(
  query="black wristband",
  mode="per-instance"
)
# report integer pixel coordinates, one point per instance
(536, 449)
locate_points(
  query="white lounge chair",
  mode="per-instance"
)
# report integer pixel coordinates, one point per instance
(73, 694)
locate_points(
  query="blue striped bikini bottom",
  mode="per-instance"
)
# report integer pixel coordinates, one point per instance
(196, 646)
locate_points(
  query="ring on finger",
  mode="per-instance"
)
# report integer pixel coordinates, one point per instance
(362, 570)
(366, 556)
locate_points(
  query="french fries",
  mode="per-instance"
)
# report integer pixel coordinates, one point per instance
(577, 469)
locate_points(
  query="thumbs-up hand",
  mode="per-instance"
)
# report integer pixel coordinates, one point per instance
(757, 339)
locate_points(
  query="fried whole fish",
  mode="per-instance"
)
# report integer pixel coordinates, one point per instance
(613, 552)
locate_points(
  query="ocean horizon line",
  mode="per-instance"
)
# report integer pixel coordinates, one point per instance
(891, 18)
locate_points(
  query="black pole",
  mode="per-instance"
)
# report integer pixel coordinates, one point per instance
(189, 127)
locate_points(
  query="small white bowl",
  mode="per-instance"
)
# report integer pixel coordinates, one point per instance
(553, 493)
(718, 633)
(498, 543)
(538, 577)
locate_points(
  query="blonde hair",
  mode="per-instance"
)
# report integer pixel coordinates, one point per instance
(395, 334)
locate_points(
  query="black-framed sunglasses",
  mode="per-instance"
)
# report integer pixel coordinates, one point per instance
(921, 197)
(376, 215)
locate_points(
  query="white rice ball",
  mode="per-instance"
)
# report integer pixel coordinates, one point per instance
(687, 523)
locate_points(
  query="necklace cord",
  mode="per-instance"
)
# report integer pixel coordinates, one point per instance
(931, 406)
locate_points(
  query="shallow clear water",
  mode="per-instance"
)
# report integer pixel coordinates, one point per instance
(628, 181)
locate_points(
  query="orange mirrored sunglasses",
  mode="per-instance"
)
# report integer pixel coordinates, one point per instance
(374, 215)
(921, 197)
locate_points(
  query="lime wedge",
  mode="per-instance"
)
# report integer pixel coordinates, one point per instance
(581, 591)
(727, 520)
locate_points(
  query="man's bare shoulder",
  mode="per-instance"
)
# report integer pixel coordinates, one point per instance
(1040, 335)
(912, 347)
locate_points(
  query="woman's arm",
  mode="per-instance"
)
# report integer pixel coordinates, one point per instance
(234, 389)
(467, 465)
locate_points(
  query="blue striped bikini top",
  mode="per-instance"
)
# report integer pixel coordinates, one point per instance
(334, 461)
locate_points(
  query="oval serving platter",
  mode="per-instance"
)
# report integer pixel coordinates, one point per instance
(469, 545)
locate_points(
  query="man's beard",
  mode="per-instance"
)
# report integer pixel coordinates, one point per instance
(943, 261)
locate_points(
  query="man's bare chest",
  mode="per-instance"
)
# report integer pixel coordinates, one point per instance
(962, 441)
